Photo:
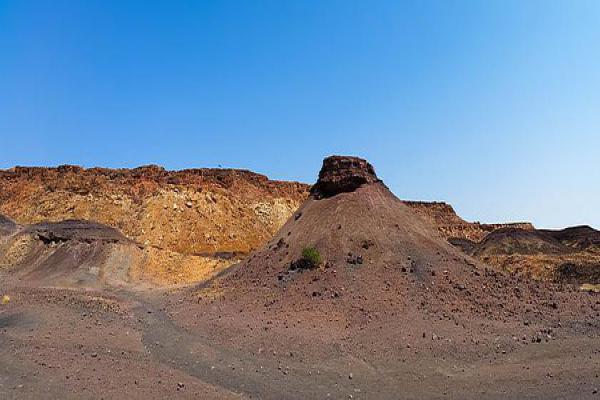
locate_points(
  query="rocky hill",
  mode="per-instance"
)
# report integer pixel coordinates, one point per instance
(570, 255)
(451, 226)
(195, 211)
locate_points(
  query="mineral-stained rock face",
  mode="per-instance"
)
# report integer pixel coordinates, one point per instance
(568, 255)
(190, 212)
(451, 226)
(343, 174)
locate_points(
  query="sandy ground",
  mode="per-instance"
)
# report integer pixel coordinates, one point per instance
(58, 343)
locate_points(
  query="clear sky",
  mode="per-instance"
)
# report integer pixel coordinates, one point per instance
(493, 106)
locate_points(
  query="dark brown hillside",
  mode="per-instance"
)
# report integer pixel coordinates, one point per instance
(578, 237)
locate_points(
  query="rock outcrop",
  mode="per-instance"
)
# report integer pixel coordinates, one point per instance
(341, 174)
(570, 255)
(86, 254)
(191, 223)
(192, 212)
(451, 226)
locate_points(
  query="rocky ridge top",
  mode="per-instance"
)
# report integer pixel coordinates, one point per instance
(341, 174)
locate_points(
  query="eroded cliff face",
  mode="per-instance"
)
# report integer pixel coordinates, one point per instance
(570, 255)
(191, 212)
(451, 226)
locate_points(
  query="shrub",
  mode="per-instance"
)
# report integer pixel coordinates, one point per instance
(311, 257)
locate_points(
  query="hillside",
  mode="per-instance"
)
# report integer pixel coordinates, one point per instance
(570, 255)
(451, 226)
(196, 211)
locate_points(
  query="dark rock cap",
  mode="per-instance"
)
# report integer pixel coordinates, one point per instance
(341, 174)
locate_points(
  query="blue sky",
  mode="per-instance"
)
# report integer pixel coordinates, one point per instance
(493, 106)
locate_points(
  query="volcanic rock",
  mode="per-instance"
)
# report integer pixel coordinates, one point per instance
(76, 230)
(343, 174)
(577, 237)
(519, 241)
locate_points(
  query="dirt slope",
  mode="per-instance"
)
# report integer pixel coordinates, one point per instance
(84, 254)
(7, 226)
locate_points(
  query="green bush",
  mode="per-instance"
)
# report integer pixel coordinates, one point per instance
(311, 257)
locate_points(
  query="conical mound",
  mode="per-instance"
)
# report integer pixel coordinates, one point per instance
(353, 245)
(357, 227)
